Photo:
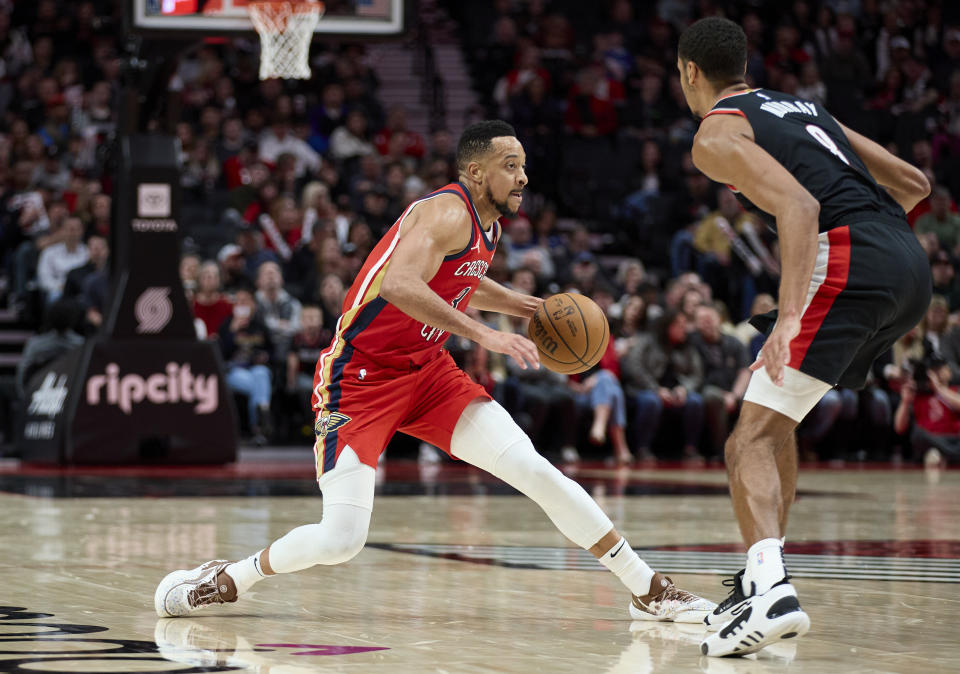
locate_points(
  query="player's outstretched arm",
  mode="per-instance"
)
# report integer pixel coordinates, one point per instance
(724, 150)
(491, 296)
(905, 183)
(431, 231)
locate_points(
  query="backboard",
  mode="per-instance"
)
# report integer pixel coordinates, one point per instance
(360, 18)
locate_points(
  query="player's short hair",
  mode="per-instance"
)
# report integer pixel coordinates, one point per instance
(476, 140)
(719, 48)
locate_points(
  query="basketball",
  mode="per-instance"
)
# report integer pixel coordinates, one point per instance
(571, 333)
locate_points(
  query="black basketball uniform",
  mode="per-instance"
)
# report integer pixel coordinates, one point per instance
(871, 283)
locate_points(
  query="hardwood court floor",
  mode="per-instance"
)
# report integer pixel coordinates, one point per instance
(465, 579)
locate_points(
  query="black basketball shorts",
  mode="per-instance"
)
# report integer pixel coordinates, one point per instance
(870, 286)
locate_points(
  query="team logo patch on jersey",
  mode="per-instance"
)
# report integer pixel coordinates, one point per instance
(331, 422)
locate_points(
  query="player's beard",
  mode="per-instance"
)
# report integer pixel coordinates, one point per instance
(502, 206)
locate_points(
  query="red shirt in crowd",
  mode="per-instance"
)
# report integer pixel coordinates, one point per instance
(414, 147)
(600, 108)
(234, 170)
(213, 315)
(609, 361)
(935, 416)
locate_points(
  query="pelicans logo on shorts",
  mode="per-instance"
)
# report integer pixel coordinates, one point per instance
(331, 422)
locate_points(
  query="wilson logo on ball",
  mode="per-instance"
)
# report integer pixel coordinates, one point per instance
(544, 341)
(548, 345)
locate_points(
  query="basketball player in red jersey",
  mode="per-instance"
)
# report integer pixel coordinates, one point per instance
(386, 371)
(854, 280)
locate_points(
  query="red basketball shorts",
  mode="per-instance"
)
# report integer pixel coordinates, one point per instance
(362, 404)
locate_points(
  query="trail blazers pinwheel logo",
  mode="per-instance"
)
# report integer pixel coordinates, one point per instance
(330, 423)
(153, 310)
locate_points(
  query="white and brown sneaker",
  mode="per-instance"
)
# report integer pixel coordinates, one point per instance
(667, 602)
(189, 590)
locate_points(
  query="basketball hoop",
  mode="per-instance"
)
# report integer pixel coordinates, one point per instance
(285, 29)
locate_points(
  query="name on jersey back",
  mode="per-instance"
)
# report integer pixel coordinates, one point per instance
(781, 108)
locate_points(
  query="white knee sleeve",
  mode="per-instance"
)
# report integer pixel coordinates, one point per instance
(349, 482)
(341, 534)
(487, 437)
(798, 395)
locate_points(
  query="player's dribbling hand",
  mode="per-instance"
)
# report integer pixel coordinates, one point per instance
(518, 347)
(775, 354)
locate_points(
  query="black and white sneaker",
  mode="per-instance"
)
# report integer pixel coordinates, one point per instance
(728, 609)
(763, 619)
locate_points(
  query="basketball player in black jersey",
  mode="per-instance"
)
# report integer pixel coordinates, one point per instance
(854, 279)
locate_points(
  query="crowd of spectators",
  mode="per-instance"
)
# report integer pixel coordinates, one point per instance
(288, 185)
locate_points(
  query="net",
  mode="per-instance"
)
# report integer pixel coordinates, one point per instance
(285, 30)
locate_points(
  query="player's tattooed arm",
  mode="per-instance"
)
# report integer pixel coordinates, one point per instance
(725, 151)
(491, 296)
(906, 184)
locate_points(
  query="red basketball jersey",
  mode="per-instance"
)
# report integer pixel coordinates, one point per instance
(371, 325)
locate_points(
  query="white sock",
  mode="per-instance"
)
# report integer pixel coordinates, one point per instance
(764, 566)
(629, 568)
(246, 572)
